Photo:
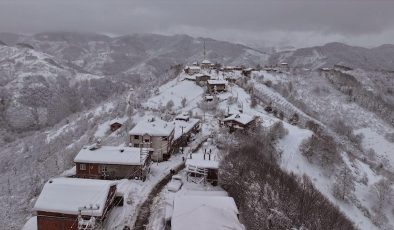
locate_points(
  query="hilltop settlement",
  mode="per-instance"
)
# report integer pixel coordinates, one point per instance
(168, 173)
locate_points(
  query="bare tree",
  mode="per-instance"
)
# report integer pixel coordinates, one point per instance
(383, 192)
(344, 185)
(169, 105)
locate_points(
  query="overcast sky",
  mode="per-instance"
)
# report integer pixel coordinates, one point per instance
(259, 22)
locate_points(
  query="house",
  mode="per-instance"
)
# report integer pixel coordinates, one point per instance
(115, 125)
(202, 78)
(247, 72)
(205, 212)
(238, 68)
(228, 68)
(73, 203)
(192, 70)
(184, 129)
(206, 64)
(215, 86)
(112, 162)
(203, 168)
(156, 134)
(240, 121)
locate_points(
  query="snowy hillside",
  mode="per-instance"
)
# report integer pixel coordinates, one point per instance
(64, 92)
(337, 53)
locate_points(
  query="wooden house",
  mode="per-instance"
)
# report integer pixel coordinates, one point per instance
(73, 203)
(215, 86)
(192, 69)
(155, 134)
(240, 121)
(202, 78)
(112, 162)
(115, 126)
(228, 69)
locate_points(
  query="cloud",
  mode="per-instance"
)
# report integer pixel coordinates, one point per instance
(273, 22)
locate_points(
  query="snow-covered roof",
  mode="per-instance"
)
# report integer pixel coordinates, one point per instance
(205, 213)
(195, 67)
(199, 161)
(157, 127)
(206, 62)
(248, 69)
(191, 77)
(187, 126)
(67, 195)
(240, 117)
(182, 116)
(112, 155)
(217, 82)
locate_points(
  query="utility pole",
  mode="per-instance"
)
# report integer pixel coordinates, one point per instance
(182, 137)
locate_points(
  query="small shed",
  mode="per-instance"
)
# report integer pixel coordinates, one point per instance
(202, 168)
(208, 98)
(115, 125)
(73, 203)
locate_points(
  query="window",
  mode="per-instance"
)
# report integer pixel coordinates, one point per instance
(136, 145)
(136, 137)
(104, 169)
(82, 166)
(146, 140)
(164, 138)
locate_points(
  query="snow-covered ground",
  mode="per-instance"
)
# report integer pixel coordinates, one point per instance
(135, 192)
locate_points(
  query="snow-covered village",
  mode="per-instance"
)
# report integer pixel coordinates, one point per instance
(235, 126)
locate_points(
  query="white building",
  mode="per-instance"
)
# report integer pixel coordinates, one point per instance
(205, 212)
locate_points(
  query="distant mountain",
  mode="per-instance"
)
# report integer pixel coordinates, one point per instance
(47, 76)
(38, 90)
(379, 58)
(101, 54)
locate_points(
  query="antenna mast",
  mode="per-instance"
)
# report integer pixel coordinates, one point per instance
(204, 49)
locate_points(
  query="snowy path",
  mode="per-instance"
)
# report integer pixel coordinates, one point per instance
(146, 207)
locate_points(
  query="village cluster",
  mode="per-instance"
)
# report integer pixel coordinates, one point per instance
(84, 199)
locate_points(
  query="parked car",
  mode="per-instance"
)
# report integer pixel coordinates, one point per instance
(175, 183)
